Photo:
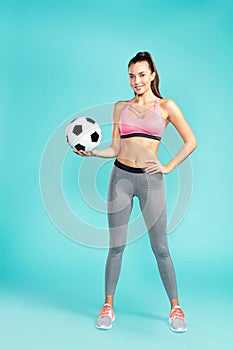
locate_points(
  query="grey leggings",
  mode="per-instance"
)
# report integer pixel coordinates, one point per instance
(125, 183)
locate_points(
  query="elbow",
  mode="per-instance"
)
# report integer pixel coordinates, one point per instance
(116, 147)
(192, 145)
(195, 144)
(115, 151)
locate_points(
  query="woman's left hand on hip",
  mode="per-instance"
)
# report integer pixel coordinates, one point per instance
(156, 167)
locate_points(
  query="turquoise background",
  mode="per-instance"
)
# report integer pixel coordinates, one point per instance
(58, 58)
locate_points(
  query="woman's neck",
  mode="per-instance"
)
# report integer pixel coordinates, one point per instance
(144, 99)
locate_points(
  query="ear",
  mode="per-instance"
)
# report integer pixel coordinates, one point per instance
(152, 76)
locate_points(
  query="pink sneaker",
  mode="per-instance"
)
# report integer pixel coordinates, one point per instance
(105, 317)
(176, 319)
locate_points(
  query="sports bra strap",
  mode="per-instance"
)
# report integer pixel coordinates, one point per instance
(156, 103)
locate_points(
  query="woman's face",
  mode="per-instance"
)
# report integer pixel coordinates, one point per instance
(140, 77)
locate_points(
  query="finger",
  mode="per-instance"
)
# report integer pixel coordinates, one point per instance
(150, 170)
(153, 167)
(78, 152)
(153, 172)
(149, 161)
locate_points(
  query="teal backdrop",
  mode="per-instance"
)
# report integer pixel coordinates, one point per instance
(59, 58)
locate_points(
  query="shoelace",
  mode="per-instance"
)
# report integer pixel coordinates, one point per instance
(105, 311)
(177, 312)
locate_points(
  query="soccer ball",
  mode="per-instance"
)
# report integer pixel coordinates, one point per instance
(83, 133)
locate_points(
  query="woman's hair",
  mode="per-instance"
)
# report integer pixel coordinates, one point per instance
(146, 56)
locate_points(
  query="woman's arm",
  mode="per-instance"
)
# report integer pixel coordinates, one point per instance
(114, 149)
(176, 117)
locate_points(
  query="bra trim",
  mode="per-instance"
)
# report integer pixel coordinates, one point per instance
(155, 137)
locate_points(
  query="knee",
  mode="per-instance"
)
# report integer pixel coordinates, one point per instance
(117, 250)
(161, 252)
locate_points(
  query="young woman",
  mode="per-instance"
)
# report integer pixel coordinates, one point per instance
(138, 125)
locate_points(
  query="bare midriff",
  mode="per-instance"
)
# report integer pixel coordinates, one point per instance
(136, 150)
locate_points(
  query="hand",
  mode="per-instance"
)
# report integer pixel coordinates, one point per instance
(84, 153)
(157, 167)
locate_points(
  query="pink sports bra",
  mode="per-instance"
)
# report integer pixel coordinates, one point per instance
(151, 126)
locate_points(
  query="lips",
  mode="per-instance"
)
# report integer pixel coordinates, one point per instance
(138, 87)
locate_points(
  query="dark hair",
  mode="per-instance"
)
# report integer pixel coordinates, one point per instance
(146, 56)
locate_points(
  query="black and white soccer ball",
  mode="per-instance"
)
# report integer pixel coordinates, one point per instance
(83, 133)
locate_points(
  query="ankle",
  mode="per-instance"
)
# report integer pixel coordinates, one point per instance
(174, 303)
(109, 300)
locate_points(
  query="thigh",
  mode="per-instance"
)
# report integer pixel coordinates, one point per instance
(120, 203)
(152, 200)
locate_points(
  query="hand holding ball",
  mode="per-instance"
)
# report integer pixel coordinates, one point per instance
(83, 134)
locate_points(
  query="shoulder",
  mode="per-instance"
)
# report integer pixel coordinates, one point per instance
(120, 104)
(118, 108)
(169, 104)
(166, 103)
(169, 107)
(174, 113)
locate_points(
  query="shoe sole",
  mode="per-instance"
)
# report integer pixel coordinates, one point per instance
(179, 331)
(102, 327)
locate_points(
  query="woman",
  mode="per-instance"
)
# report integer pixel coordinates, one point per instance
(138, 125)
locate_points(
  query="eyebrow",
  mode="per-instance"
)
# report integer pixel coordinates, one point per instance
(138, 73)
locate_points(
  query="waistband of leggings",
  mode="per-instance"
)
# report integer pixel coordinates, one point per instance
(128, 168)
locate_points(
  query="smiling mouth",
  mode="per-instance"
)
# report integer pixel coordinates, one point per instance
(138, 87)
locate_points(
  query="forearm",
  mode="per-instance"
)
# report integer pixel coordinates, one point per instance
(184, 152)
(108, 152)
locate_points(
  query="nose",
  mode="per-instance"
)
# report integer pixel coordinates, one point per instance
(137, 80)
